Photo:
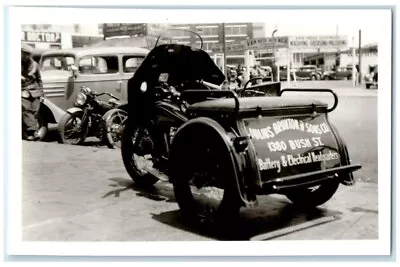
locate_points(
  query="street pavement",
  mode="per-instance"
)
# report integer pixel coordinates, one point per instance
(83, 193)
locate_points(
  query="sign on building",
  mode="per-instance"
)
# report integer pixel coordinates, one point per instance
(253, 44)
(267, 43)
(40, 37)
(122, 29)
(323, 41)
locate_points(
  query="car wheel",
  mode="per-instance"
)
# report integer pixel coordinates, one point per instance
(313, 196)
(313, 77)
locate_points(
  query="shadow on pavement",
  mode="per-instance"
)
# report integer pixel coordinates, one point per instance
(269, 220)
(159, 192)
(272, 218)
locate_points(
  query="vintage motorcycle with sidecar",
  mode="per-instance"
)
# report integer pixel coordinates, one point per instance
(221, 149)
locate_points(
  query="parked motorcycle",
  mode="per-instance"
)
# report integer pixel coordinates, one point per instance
(93, 117)
(221, 150)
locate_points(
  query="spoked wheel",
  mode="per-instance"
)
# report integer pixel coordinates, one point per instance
(137, 148)
(313, 196)
(71, 128)
(204, 185)
(114, 124)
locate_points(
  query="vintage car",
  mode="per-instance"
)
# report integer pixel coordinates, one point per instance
(341, 73)
(103, 69)
(283, 73)
(371, 79)
(308, 72)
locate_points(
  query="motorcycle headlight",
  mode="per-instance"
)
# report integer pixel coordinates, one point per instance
(80, 99)
(25, 94)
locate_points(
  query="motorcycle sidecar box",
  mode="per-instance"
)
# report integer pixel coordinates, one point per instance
(274, 145)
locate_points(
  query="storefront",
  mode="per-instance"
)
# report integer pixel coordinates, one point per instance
(286, 50)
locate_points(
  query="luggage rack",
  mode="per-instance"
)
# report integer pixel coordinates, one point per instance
(313, 90)
(210, 94)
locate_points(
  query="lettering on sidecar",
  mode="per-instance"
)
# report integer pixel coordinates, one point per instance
(292, 145)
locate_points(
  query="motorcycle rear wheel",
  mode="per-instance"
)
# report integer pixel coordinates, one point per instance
(135, 139)
(63, 129)
(113, 127)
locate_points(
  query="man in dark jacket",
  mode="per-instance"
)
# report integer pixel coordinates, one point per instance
(31, 82)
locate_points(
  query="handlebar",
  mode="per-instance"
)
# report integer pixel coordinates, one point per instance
(211, 85)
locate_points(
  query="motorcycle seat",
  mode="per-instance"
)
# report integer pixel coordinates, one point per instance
(250, 104)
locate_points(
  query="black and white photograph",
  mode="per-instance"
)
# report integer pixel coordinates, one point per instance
(157, 127)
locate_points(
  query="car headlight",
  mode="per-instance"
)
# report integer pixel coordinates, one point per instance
(80, 99)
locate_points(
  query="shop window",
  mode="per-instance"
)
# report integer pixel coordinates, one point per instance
(99, 65)
(131, 63)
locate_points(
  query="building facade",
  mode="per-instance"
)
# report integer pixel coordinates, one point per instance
(369, 57)
(212, 35)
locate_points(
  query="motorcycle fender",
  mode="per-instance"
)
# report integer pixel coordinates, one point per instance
(73, 110)
(185, 133)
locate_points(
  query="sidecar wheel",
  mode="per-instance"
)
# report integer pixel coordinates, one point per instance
(130, 136)
(314, 196)
(205, 161)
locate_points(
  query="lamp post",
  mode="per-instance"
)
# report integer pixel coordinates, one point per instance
(224, 48)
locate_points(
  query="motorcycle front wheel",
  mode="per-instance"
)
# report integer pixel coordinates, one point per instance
(72, 129)
(137, 149)
(204, 185)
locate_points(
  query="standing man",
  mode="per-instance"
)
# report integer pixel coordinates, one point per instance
(31, 81)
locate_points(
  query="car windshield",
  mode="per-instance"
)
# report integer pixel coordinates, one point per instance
(57, 62)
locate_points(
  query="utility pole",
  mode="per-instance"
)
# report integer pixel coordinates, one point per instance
(359, 57)
(277, 78)
(224, 49)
